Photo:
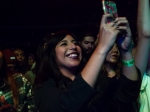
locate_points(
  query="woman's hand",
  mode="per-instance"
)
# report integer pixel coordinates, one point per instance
(124, 40)
(107, 34)
(6, 107)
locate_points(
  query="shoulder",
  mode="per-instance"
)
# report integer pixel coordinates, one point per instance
(20, 79)
(19, 76)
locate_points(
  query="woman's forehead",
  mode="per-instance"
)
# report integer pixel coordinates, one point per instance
(68, 37)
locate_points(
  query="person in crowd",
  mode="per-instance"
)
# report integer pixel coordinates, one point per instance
(110, 75)
(142, 53)
(31, 65)
(60, 87)
(31, 61)
(87, 43)
(11, 60)
(22, 60)
(15, 91)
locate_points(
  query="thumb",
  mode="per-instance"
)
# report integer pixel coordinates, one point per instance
(3, 101)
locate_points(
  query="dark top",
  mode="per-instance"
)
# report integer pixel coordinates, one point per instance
(75, 96)
(115, 94)
(49, 98)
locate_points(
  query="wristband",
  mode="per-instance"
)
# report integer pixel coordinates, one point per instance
(128, 63)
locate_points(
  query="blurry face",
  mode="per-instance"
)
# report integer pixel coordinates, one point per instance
(1, 59)
(30, 60)
(20, 56)
(68, 53)
(113, 55)
(88, 44)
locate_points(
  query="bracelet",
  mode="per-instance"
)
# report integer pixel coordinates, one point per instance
(128, 63)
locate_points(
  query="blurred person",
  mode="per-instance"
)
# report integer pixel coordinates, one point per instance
(31, 65)
(109, 78)
(31, 61)
(87, 43)
(22, 60)
(15, 91)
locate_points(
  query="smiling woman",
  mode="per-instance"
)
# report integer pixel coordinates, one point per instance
(60, 85)
(68, 57)
(57, 52)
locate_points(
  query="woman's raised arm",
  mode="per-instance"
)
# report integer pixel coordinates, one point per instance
(143, 27)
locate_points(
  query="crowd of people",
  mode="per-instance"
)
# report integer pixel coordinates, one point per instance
(95, 72)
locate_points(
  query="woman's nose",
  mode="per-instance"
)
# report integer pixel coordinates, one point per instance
(72, 46)
(115, 49)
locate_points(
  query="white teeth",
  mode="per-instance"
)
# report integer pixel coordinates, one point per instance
(72, 55)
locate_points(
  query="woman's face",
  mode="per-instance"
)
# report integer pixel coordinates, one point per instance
(113, 55)
(68, 53)
(20, 56)
(30, 60)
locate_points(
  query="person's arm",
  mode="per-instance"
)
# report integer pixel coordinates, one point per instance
(143, 27)
(130, 82)
(125, 45)
(6, 107)
(28, 96)
(106, 39)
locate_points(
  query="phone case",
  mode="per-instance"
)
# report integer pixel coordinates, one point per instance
(109, 7)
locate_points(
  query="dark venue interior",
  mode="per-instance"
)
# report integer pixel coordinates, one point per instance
(26, 22)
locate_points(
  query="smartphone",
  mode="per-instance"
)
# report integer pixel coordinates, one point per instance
(109, 7)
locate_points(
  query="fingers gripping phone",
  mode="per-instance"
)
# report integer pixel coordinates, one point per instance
(109, 7)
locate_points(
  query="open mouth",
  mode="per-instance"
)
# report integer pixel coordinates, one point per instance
(73, 55)
(114, 56)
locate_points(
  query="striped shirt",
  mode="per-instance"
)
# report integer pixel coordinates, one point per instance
(26, 98)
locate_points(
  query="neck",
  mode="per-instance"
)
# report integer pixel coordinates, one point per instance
(111, 69)
(69, 73)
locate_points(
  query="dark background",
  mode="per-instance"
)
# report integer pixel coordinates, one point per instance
(28, 21)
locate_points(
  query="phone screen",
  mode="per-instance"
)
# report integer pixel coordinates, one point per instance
(109, 7)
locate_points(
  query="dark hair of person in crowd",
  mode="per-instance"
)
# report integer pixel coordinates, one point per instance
(87, 33)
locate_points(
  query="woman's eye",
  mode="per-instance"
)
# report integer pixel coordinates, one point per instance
(63, 44)
(76, 43)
